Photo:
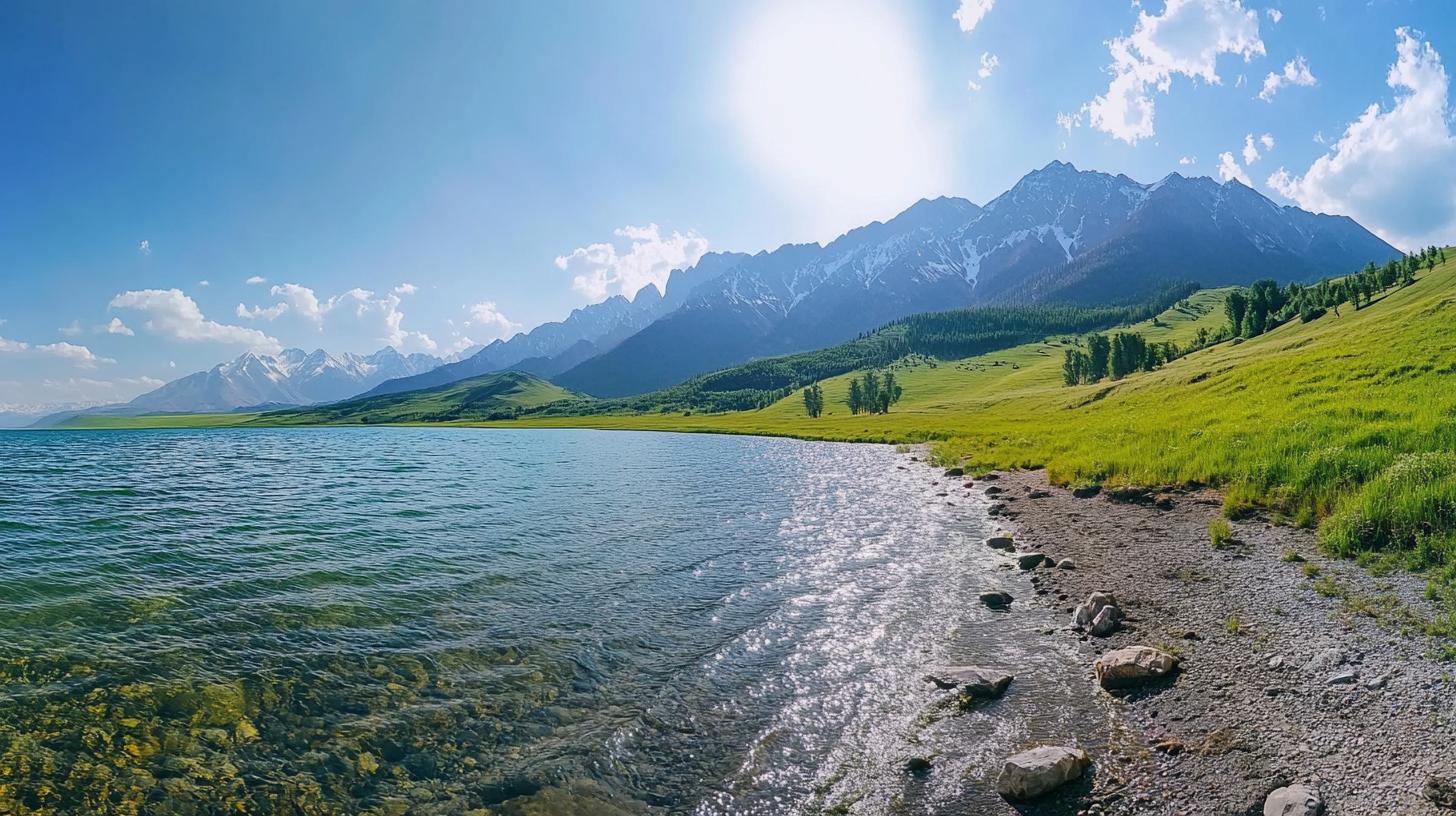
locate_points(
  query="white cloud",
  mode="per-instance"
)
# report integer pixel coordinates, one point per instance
(172, 314)
(1229, 169)
(1067, 121)
(80, 355)
(486, 315)
(1296, 72)
(85, 391)
(144, 248)
(1187, 39)
(1392, 170)
(256, 280)
(989, 62)
(1251, 152)
(971, 12)
(363, 303)
(117, 327)
(1187, 160)
(72, 330)
(830, 101)
(261, 312)
(650, 258)
(1267, 140)
(1275, 15)
(204, 283)
(171, 364)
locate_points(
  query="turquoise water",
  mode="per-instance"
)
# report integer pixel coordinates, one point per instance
(450, 621)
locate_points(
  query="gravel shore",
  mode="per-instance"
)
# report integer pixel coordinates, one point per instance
(1294, 668)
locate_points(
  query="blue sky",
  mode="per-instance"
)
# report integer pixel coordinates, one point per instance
(431, 174)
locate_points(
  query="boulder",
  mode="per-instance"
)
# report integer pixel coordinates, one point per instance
(1107, 621)
(1001, 543)
(1133, 666)
(972, 681)
(1295, 800)
(1087, 611)
(1031, 774)
(996, 599)
(1030, 561)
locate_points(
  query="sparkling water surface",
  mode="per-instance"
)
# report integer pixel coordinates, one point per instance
(453, 621)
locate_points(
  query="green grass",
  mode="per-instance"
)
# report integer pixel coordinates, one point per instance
(474, 399)
(99, 422)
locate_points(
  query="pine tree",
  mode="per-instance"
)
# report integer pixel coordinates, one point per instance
(1235, 306)
(856, 396)
(1099, 353)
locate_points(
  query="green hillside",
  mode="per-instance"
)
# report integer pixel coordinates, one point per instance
(489, 397)
(496, 396)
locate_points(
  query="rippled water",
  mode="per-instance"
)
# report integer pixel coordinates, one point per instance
(445, 621)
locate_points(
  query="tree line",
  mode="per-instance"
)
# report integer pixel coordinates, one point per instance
(1116, 356)
(873, 393)
(1249, 312)
(1266, 304)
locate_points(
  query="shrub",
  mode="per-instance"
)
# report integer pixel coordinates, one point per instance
(1219, 533)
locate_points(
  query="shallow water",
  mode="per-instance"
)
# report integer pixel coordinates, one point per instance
(445, 620)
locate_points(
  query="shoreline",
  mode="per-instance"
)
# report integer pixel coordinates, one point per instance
(1295, 668)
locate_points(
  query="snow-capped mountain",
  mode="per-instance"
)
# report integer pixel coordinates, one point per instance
(1059, 234)
(293, 377)
(551, 348)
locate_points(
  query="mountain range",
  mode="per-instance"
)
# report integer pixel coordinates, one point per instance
(292, 377)
(1058, 235)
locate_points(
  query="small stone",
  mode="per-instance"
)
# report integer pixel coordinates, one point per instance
(993, 490)
(1086, 491)
(1001, 543)
(1324, 662)
(1067, 564)
(951, 472)
(1035, 773)
(918, 765)
(1295, 800)
(1378, 682)
(1039, 494)
(1347, 677)
(1276, 662)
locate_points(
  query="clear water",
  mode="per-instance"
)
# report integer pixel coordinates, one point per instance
(454, 621)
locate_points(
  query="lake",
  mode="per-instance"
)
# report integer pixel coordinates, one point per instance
(449, 621)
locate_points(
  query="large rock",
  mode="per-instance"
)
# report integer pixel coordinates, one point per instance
(1040, 771)
(1030, 561)
(1107, 621)
(996, 600)
(972, 681)
(1099, 614)
(1295, 800)
(1133, 666)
